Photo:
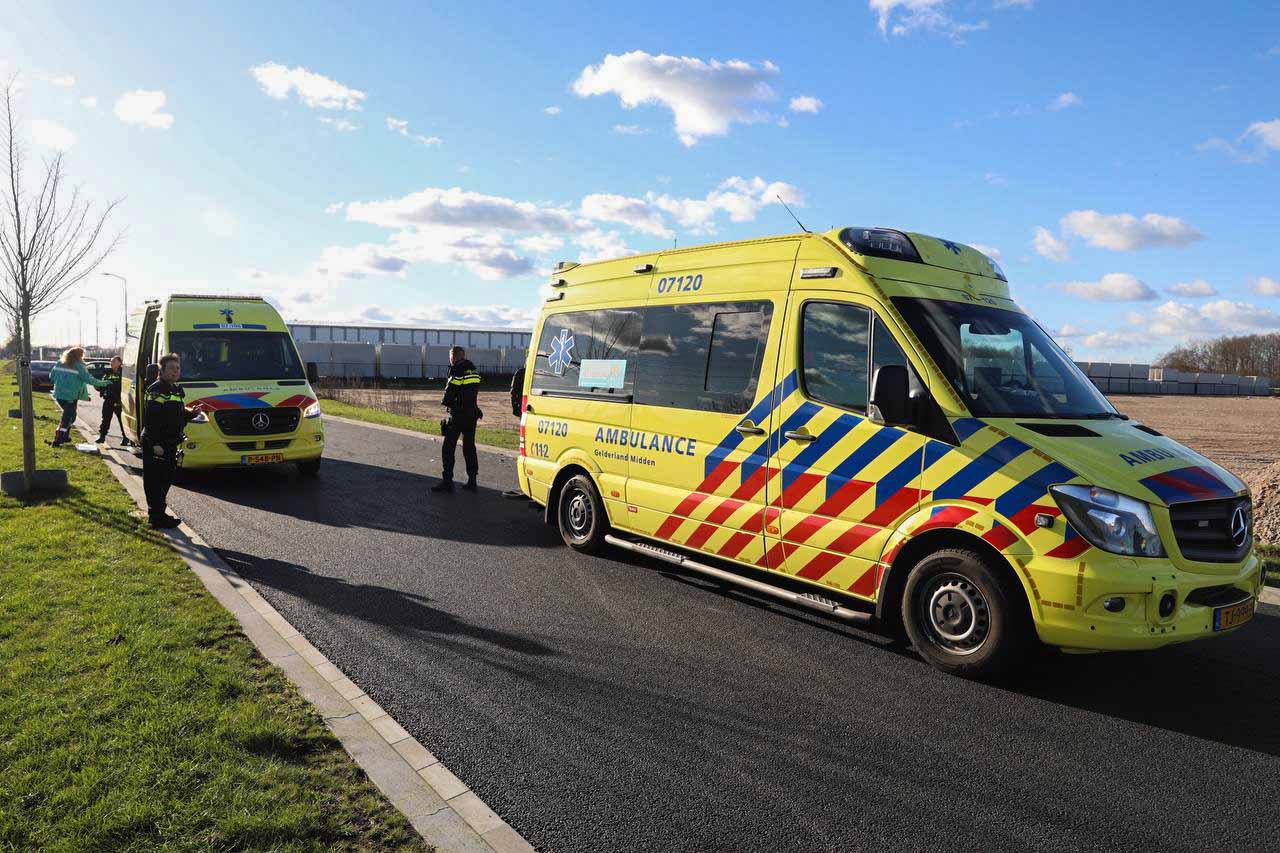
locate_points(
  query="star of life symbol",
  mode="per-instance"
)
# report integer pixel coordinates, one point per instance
(560, 349)
(947, 244)
(226, 313)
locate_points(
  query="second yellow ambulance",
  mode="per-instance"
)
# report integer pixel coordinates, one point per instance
(865, 423)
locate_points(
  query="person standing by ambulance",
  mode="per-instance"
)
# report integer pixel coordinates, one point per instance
(165, 416)
(71, 381)
(461, 391)
(111, 402)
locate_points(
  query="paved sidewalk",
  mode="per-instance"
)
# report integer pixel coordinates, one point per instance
(438, 804)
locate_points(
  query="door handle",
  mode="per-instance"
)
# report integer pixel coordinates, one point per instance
(799, 435)
(528, 408)
(748, 428)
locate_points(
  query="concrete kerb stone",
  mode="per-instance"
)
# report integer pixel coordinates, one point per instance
(1270, 595)
(438, 804)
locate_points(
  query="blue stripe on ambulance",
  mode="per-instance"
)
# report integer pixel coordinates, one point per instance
(1018, 498)
(980, 468)
(758, 413)
(867, 452)
(830, 436)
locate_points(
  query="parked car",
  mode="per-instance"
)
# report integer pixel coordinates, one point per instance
(98, 367)
(40, 379)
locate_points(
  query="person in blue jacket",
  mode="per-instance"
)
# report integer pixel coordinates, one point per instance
(71, 381)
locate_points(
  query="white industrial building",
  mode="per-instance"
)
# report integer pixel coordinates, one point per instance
(366, 351)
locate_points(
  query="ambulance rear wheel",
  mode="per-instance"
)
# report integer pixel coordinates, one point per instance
(309, 467)
(581, 514)
(964, 617)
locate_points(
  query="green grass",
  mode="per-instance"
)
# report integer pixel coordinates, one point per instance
(1271, 556)
(134, 714)
(508, 438)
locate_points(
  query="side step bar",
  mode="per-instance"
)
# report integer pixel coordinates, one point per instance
(811, 601)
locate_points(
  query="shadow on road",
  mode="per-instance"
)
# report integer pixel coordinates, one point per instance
(356, 494)
(400, 611)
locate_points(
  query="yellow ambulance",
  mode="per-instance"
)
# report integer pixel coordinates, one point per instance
(865, 423)
(240, 370)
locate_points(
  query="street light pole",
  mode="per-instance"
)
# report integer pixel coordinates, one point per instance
(124, 283)
(97, 329)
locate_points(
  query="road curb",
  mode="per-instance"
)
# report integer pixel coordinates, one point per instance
(489, 448)
(440, 806)
(1269, 595)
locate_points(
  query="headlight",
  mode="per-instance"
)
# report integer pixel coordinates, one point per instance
(200, 418)
(312, 411)
(1110, 521)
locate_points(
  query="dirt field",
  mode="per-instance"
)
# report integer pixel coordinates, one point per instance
(496, 405)
(1242, 434)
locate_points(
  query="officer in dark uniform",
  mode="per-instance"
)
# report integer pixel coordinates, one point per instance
(111, 403)
(165, 416)
(461, 390)
(517, 392)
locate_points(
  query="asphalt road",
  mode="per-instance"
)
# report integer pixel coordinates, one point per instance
(611, 703)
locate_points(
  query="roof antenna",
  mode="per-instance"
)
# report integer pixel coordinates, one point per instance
(793, 216)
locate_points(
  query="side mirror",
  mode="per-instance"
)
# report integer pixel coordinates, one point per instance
(890, 396)
(313, 372)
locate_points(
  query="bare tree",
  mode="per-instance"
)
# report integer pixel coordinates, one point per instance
(50, 240)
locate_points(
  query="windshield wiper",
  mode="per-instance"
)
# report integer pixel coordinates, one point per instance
(1105, 416)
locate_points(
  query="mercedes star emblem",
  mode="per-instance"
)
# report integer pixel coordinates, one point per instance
(1240, 527)
(260, 422)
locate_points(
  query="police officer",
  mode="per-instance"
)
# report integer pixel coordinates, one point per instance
(460, 393)
(165, 416)
(517, 392)
(111, 403)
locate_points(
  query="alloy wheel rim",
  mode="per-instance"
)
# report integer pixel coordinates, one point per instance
(578, 514)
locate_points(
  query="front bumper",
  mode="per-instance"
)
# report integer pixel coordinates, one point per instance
(1070, 613)
(206, 447)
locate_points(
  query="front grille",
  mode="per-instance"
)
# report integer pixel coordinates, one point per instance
(1203, 530)
(276, 444)
(1216, 596)
(240, 421)
(242, 445)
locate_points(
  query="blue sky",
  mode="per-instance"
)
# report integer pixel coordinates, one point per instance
(427, 163)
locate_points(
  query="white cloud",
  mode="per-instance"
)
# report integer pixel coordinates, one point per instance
(339, 124)
(989, 251)
(1070, 330)
(1049, 246)
(457, 207)
(62, 81)
(1183, 321)
(630, 129)
(143, 108)
(50, 134)
(487, 316)
(705, 97)
(805, 104)
(427, 140)
(1112, 287)
(1124, 232)
(89, 102)
(1116, 340)
(635, 212)
(358, 262)
(221, 223)
(995, 179)
(740, 198)
(1264, 286)
(541, 244)
(396, 125)
(484, 253)
(551, 111)
(313, 90)
(1255, 144)
(1199, 287)
(901, 17)
(335, 207)
(1064, 101)
(375, 314)
(600, 245)
(783, 121)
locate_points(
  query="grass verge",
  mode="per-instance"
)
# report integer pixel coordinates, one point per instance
(508, 438)
(134, 714)
(1271, 563)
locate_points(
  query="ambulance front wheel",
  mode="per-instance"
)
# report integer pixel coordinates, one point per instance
(966, 617)
(309, 467)
(581, 514)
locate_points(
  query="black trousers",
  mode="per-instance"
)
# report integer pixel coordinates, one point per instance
(110, 407)
(157, 475)
(63, 433)
(451, 430)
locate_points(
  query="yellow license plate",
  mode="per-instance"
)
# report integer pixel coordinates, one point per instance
(1232, 616)
(262, 459)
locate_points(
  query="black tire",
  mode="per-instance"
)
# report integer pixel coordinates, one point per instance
(580, 515)
(309, 467)
(965, 617)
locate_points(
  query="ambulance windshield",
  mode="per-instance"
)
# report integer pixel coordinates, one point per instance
(1001, 363)
(222, 356)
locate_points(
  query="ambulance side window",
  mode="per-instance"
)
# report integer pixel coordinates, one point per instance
(835, 340)
(605, 335)
(885, 350)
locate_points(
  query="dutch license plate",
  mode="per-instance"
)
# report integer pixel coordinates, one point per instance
(262, 459)
(1232, 616)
